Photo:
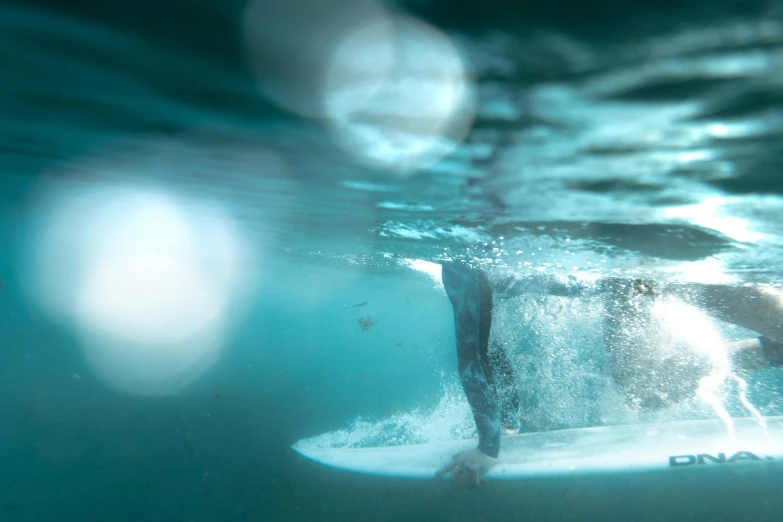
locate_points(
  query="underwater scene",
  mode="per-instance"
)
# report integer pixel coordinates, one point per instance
(241, 238)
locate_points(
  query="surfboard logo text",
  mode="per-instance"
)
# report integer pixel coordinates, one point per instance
(679, 461)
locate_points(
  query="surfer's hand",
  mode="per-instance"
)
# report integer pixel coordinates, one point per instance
(466, 467)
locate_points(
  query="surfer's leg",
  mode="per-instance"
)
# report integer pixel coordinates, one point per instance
(636, 342)
(757, 308)
(464, 286)
(485, 324)
(755, 353)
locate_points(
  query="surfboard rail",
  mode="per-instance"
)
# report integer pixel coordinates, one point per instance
(640, 448)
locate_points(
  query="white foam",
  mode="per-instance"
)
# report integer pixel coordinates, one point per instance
(451, 419)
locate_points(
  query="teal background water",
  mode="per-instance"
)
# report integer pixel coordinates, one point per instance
(601, 132)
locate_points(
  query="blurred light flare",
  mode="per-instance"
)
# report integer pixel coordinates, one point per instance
(394, 91)
(707, 271)
(146, 279)
(687, 324)
(419, 113)
(708, 214)
(291, 43)
(699, 332)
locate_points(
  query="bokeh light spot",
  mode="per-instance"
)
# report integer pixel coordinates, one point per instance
(393, 90)
(145, 279)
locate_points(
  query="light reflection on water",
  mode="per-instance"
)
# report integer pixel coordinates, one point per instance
(653, 155)
(667, 129)
(149, 282)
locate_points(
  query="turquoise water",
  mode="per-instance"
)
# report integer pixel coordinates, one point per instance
(211, 247)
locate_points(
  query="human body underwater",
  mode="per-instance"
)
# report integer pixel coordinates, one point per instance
(649, 377)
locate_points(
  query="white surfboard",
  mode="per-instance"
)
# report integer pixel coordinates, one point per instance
(672, 447)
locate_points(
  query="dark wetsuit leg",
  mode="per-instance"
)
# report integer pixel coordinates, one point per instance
(471, 299)
(773, 351)
(485, 325)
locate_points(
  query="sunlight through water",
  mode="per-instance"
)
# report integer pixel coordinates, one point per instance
(394, 91)
(687, 324)
(431, 269)
(147, 280)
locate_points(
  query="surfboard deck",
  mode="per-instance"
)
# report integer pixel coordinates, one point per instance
(673, 446)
